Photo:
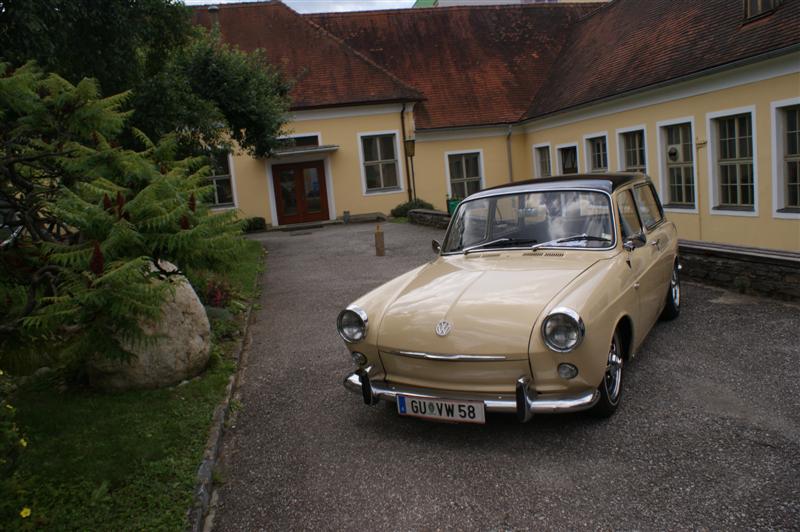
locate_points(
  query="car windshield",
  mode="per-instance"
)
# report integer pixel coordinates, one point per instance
(557, 218)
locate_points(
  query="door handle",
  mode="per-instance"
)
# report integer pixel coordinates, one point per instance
(636, 285)
(655, 243)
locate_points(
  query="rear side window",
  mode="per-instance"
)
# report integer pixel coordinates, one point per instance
(649, 208)
(628, 219)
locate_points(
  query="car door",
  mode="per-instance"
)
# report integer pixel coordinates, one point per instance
(655, 282)
(638, 259)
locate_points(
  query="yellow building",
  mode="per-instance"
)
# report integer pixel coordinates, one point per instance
(703, 96)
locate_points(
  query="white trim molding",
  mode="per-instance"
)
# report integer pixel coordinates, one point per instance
(778, 130)
(713, 178)
(464, 133)
(560, 147)
(621, 146)
(762, 70)
(344, 112)
(447, 155)
(587, 152)
(536, 162)
(661, 164)
(401, 180)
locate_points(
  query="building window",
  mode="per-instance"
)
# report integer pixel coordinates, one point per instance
(680, 165)
(756, 8)
(304, 141)
(543, 161)
(633, 152)
(735, 184)
(568, 157)
(598, 154)
(380, 162)
(465, 174)
(221, 179)
(791, 158)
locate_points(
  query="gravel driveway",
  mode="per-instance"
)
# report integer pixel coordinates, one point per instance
(708, 435)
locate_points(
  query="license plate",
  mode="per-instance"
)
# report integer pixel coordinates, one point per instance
(441, 409)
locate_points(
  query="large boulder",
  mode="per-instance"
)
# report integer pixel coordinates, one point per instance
(180, 352)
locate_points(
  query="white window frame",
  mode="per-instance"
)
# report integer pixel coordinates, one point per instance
(309, 134)
(559, 147)
(778, 130)
(537, 167)
(587, 152)
(713, 174)
(232, 173)
(447, 155)
(621, 146)
(401, 180)
(663, 175)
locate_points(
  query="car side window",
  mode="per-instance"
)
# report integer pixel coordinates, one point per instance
(628, 218)
(649, 207)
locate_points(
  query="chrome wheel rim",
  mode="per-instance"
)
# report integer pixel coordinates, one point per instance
(613, 376)
(675, 287)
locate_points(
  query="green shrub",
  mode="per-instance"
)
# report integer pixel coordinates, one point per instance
(254, 224)
(11, 441)
(403, 208)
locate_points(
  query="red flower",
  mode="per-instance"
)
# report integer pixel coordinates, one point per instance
(97, 262)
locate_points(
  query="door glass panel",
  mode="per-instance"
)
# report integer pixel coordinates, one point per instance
(312, 189)
(288, 191)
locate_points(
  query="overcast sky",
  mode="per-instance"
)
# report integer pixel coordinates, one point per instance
(316, 6)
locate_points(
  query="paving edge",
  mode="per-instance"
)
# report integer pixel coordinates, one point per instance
(205, 485)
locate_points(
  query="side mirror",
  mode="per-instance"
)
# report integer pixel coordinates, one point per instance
(636, 241)
(437, 247)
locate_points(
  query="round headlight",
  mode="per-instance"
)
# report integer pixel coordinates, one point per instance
(352, 324)
(563, 330)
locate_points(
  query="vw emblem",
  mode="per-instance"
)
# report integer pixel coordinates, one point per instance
(443, 328)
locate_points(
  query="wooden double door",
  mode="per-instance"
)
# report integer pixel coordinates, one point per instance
(300, 192)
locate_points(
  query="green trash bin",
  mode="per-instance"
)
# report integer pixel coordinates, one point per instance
(452, 205)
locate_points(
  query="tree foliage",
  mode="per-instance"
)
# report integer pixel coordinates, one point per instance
(95, 220)
(183, 79)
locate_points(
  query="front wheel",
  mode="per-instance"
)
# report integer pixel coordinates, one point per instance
(672, 307)
(611, 387)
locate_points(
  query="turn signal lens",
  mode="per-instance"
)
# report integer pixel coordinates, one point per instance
(359, 359)
(563, 330)
(567, 371)
(352, 324)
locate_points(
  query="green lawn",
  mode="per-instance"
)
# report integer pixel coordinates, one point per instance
(118, 462)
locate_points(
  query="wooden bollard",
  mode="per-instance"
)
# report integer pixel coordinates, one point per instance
(379, 248)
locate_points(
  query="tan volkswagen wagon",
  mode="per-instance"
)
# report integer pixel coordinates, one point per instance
(540, 293)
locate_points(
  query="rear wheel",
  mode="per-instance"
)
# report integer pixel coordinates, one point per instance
(672, 308)
(611, 387)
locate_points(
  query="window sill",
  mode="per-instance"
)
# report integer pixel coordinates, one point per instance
(789, 210)
(222, 206)
(734, 208)
(376, 191)
(681, 206)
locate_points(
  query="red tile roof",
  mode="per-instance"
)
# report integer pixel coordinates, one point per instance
(326, 71)
(482, 65)
(474, 65)
(631, 44)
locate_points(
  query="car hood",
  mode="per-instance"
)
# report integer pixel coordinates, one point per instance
(492, 302)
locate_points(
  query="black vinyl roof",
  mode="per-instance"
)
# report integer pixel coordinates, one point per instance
(607, 182)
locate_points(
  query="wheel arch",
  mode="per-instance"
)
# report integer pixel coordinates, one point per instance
(625, 328)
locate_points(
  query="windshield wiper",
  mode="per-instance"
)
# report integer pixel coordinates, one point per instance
(573, 238)
(478, 247)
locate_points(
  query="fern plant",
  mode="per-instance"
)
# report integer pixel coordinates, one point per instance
(96, 223)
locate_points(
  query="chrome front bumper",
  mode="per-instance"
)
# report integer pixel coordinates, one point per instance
(524, 403)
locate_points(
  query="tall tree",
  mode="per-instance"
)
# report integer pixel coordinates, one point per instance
(183, 80)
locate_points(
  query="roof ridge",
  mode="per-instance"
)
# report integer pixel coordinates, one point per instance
(421, 10)
(350, 49)
(228, 5)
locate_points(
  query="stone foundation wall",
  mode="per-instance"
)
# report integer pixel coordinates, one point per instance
(747, 270)
(428, 217)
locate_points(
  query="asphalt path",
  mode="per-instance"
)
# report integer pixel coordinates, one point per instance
(708, 435)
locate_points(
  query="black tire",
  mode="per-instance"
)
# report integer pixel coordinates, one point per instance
(672, 307)
(611, 386)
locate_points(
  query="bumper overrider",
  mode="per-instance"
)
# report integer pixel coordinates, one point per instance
(524, 403)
